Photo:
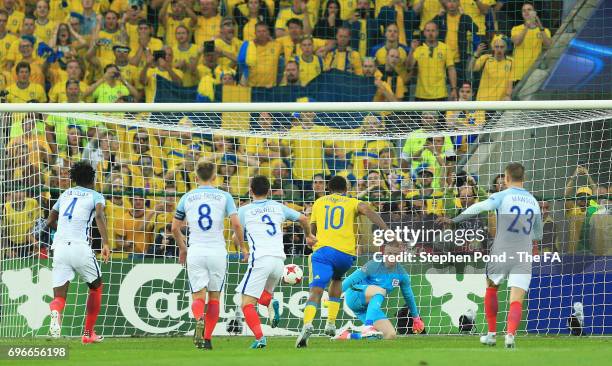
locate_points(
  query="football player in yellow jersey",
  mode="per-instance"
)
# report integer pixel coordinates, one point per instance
(175, 13)
(332, 221)
(6, 39)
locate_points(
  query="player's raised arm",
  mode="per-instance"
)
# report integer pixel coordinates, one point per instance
(293, 215)
(489, 204)
(101, 222)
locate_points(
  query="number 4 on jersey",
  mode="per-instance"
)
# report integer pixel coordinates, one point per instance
(70, 208)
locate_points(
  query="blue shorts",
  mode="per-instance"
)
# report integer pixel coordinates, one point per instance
(328, 264)
(355, 299)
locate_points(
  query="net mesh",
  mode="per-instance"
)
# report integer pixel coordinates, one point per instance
(411, 167)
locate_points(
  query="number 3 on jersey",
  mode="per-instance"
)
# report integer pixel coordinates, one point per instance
(268, 221)
(70, 208)
(330, 217)
(204, 211)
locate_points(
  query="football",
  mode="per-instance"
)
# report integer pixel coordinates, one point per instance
(292, 274)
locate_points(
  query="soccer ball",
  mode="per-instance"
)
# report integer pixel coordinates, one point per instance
(292, 274)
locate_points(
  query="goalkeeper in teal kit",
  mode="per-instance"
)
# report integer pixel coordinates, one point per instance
(365, 291)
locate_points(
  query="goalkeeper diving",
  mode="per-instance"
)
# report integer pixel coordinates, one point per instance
(365, 291)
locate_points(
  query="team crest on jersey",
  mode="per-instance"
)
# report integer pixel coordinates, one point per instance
(507, 68)
(539, 35)
(395, 282)
(440, 56)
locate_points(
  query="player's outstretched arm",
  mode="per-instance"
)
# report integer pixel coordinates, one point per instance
(179, 239)
(355, 278)
(311, 240)
(489, 204)
(101, 222)
(372, 215)
(239, 236)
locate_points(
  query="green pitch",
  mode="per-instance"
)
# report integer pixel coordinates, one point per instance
(413, 350)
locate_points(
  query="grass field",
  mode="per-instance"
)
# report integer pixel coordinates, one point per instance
(415, 350)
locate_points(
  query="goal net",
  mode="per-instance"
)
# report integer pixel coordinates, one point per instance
(411, 162)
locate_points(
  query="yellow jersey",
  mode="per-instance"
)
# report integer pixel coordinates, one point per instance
(33, 91)
(44, 32)
(207, 29)
(527, 52)
(308, 156)
(19, 223)
(310, 70)
(432, 65)
(334, 216)
(5, 46)
(189, 79)
(430, 9)
(495, 79)
(232, 48)
(471, 8)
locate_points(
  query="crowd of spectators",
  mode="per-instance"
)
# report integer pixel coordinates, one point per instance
(143, 172)
(419, 49)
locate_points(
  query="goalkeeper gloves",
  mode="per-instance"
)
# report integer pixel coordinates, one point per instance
(417, 325)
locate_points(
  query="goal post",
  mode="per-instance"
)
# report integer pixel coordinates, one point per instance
(412, 162)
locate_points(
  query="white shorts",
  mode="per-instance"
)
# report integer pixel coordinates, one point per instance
(74, 257)
(206, 272)
(263, 273)
(518, 274)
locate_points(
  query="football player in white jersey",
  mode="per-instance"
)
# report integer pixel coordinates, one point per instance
(204, 209)
(71, 216)
(519, 223)
(262, 220)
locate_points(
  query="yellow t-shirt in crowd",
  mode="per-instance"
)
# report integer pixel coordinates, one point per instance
(19, 223)
(308, 156)
(495, 78)
(207, 28)
(33, 91)
(527, 52)
(432, 65)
